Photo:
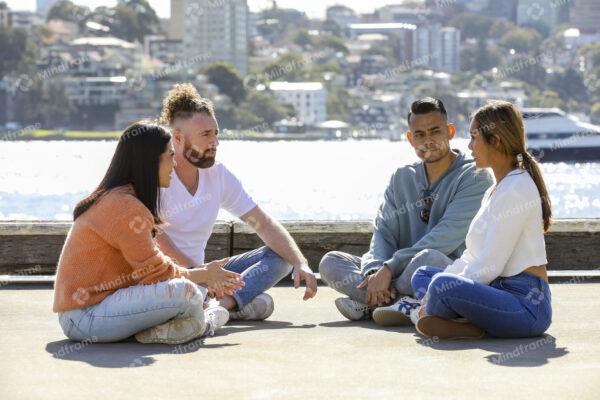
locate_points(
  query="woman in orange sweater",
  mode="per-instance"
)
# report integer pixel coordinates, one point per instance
(112, 280)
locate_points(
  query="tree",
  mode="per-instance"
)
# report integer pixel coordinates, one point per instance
(569, 85)
(288, 67)
(479, 58)
(522, 40)
(227, 79)
(547, 99)
(332, 27)
(66, 10)
(340, 103)
(332, 42)
(266, 108)
(129, 20)
(302, 38)
(14, 47)
(473, 26)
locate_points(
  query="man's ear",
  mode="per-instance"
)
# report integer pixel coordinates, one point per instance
(451, 130)
(409, 137)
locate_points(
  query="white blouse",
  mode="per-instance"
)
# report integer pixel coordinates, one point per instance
(506, 236)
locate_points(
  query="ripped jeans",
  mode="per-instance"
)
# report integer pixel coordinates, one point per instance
(132, 309)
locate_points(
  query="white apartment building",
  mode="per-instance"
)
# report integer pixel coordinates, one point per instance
(309, 99)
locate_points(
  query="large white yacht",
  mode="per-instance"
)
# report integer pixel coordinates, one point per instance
(553, 135)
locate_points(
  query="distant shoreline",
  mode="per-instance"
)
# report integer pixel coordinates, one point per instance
(52, 135)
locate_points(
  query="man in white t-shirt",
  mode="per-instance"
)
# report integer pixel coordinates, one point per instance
(199, 188)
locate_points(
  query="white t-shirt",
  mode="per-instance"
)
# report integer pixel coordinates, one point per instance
(189, 220)
(506, 236)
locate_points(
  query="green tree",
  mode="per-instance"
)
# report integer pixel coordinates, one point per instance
(332, 27)
(15, 48)
(288, 67)
(265, 107)
(340, 103)
(480, 57)
(547, 99)
(569, 85)
(522, 40)
(332, 42)
(302, 38)
(472, 26)
(66, 10)
(227, 79)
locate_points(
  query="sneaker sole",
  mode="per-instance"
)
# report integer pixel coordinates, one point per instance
(192, 336)
(431, 326)
(391, 318)
(347, 316)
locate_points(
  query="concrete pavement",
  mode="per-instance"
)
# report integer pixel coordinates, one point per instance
(305, 350)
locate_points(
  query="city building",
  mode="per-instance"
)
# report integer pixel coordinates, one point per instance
(437, 47)
(176, 20)
(5, 15)
(585, 15)
(536, 12)
(25, 20)
(309, 99)
(216, 30)
(168, 51)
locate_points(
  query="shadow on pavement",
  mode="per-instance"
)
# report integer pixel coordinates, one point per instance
(125, 354)
(525, 352)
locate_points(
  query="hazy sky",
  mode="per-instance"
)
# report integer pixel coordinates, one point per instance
(314, 8)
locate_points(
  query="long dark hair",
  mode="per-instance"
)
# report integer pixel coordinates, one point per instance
(136, 162)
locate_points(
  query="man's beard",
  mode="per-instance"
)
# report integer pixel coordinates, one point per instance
(198, 159)
(428, 156)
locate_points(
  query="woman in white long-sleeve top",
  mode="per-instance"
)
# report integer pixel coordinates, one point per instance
(499, 285)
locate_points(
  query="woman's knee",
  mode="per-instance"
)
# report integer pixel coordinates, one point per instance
(184, 290)
(442, 284)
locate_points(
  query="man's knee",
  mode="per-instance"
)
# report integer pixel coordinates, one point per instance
(275, 260)
(428, 257)
(329, 264)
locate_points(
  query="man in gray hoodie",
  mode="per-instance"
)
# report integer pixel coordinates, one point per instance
(426, 212)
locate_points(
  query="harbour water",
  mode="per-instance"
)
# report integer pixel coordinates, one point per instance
(292, 180)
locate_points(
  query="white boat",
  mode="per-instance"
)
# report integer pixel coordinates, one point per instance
(554, 135)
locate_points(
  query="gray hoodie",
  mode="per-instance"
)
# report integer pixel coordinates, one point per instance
(399, 233)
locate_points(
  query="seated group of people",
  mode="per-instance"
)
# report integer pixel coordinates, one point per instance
(457, 249)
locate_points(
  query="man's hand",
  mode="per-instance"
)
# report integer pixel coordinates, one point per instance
(304, 273)
(378, 285)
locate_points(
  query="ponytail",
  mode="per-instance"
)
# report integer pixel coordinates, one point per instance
(529, 163)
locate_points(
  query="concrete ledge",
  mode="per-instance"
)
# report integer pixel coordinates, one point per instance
(572, 244)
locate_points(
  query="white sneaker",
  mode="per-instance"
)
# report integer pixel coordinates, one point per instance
(174, 331)
(216, 317)
(260, 308)
(352, 309)
(397, 314)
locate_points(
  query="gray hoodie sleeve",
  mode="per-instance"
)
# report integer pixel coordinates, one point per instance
(450, 232)
(385, 230)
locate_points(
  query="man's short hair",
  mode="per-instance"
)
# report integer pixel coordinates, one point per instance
(425, 106)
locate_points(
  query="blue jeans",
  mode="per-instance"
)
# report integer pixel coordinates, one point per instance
(261, 269)
(133, 309)
(515, 306)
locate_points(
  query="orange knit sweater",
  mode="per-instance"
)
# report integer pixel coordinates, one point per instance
(109, 247)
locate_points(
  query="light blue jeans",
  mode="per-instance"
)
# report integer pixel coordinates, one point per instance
(133, 309)
(261, 269)
(514, 306)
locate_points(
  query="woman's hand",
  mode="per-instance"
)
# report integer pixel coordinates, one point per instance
(217, 280)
